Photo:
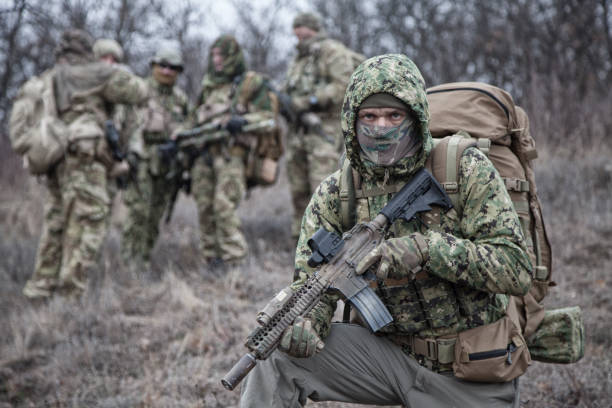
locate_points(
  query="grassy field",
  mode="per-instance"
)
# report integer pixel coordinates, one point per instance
(164, 337)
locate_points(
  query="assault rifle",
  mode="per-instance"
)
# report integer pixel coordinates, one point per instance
(181, 152)
(339, 257)
(112, 139)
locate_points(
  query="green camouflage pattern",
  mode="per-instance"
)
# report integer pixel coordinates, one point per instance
(309, 20)
(78, 206)
(396, 258)
(76, 214)
(219, 175)
(559, 338)
(166, 110)
(477, 252)
(322, 69)
(74, 228)
(233, 64)
(300, 340)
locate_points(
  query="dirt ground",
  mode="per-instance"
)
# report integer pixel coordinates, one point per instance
(165, 337)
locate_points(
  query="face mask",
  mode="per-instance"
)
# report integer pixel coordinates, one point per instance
(386, 145)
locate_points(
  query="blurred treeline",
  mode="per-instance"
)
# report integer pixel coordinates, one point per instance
(554, 56)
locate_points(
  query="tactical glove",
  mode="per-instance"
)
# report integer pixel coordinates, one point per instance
(301, 340)
(235, 124)
(399, 257)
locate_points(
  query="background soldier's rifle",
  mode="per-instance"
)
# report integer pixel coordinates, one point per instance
(181, 152)
(339, 257)
(113, 140)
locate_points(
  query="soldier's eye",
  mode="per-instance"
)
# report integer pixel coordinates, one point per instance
(397, 115)
(367, 116)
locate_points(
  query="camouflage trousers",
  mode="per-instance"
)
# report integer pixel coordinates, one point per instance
(310, 159)
(74, 228)
(218, 187)
(146, 203)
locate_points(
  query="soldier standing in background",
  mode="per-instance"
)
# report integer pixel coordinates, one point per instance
(234, 98)
(124, 117)
(165, 111)
(316, 82)
(78, 205)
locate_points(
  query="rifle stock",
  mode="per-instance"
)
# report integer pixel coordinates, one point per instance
(339, 257)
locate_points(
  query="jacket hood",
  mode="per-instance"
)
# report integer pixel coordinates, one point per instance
(397, 75)
(233, 62)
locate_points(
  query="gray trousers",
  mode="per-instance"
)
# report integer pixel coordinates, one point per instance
(358, 367)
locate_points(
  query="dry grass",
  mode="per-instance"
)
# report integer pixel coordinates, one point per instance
(164, 338)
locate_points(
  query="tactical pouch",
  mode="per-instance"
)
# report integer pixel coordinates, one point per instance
(559, 338)
(262, 170)
(495, 352)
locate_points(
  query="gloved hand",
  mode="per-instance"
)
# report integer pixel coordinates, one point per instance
(235, 124)
(301, 340)
(399, 257)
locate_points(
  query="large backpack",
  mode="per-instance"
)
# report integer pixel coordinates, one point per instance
(35, 130)
(467, 114)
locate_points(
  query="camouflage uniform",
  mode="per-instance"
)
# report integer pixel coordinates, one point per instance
(77, 209)
(476, 258)
(218, 174)
(320, 70)
(166, 110)
(124, 116)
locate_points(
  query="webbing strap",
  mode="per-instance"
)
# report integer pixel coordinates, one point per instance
(484, 145)
(451, 184)
(347, 196)
(523, 207)
(435, 349)
(377, 191)
(518, 185)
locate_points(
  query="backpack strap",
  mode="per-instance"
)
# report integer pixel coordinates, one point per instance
(444, 160)
(348, 199)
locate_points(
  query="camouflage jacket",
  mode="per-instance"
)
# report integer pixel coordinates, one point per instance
(248, 95)
(321, 68)
(166, 110)
(477, 253)
(86, 93)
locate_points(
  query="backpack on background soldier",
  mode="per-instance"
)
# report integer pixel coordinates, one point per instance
(266, 148)
(466, 114)
(35, 130)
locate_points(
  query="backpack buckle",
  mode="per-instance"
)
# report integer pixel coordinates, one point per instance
(451, 187)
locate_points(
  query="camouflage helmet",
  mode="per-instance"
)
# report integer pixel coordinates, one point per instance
(107, 46)
(75, 46)
(233, 59)
(309, 20)
(169, 55)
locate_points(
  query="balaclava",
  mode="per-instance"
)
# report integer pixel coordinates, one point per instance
(385, 145)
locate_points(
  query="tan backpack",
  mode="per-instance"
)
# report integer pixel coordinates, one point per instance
(266, 147)
(35, 130)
